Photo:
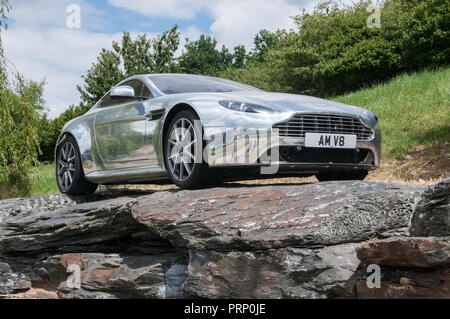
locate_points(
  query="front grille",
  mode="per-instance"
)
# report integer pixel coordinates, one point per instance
(300, 124)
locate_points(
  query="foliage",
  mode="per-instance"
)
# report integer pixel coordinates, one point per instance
(164, 48)
(203, 57)
(50, 130)
(101, 77)
(240, 58)
(19, 142)
(4, 8)
(420, 30)
(264, 41)
(254, 74)
(334, 51)
(20, 101)
(138, 56)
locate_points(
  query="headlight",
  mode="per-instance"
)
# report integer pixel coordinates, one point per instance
(247, 107)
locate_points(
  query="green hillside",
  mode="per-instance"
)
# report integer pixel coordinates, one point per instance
(414, 112)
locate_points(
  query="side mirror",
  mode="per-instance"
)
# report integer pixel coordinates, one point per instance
(122, 91)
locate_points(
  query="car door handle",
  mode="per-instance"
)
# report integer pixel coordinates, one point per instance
(155, 114)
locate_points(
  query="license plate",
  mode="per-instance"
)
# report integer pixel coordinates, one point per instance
(330, 140)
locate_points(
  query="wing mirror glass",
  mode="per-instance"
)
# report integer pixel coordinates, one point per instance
(122, 91)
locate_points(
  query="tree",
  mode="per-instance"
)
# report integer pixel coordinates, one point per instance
(240, 57)
(50, 129)
(164, 48)
(4, 8)
(265, 40)
(135, 54)
(101, 77)
(334, 51)
(138, 56)
(202, 57)
(20, 101)
(420, 31)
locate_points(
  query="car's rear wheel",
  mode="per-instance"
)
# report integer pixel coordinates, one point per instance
(342, 175)
(183, 152)
(69, 170)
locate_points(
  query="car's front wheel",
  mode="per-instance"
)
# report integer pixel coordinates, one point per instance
(342, 175)
(183, 152)
(69, 170)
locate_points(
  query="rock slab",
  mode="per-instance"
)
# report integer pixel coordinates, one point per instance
(297, 241)
(432, 216)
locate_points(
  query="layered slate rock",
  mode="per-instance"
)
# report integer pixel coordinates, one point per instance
(432, 216)
(409, 284)
(414, 267)
(15, 275)
(296, 241)
(33, 230)
(327, 272)
(116, 276)
(422, 252)
(278, 216)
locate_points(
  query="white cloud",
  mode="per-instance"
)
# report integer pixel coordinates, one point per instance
(192, 33)
(41, 47)
(235, 21)
(184, 9)
(59, 55)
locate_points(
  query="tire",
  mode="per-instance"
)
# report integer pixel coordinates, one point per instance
(342, 176)
(69, 170)
(183, 158)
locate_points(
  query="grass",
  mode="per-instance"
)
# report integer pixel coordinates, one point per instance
(43, 180)
(414, 112)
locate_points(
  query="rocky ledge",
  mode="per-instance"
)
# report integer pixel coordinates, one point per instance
(296, 241)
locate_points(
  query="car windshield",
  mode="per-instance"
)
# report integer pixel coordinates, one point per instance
(184, 83)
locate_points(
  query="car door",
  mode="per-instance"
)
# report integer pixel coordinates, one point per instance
(120, 130)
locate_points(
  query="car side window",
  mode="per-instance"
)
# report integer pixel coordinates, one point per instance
(140, 90)
(146, 92)
(107, 101)
(138, 86)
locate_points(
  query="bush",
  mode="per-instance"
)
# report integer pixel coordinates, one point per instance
(420, 29)
(19, 142)
(50, 130)
(254, 75)
(334, 51)
(20, 103)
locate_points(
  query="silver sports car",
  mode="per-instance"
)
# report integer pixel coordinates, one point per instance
(193, 130)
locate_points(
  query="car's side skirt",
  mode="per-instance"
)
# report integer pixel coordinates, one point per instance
(131, 175)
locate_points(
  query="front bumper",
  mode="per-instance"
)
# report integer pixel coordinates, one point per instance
(235, 147)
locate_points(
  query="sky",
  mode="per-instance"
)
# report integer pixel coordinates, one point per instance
(42, 47)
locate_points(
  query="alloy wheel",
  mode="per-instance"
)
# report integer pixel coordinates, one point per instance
(66, 165)
(182, 149)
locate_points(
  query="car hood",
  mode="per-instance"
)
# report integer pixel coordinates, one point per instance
(295, 103)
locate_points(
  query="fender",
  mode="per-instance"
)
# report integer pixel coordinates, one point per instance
(81, 129)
